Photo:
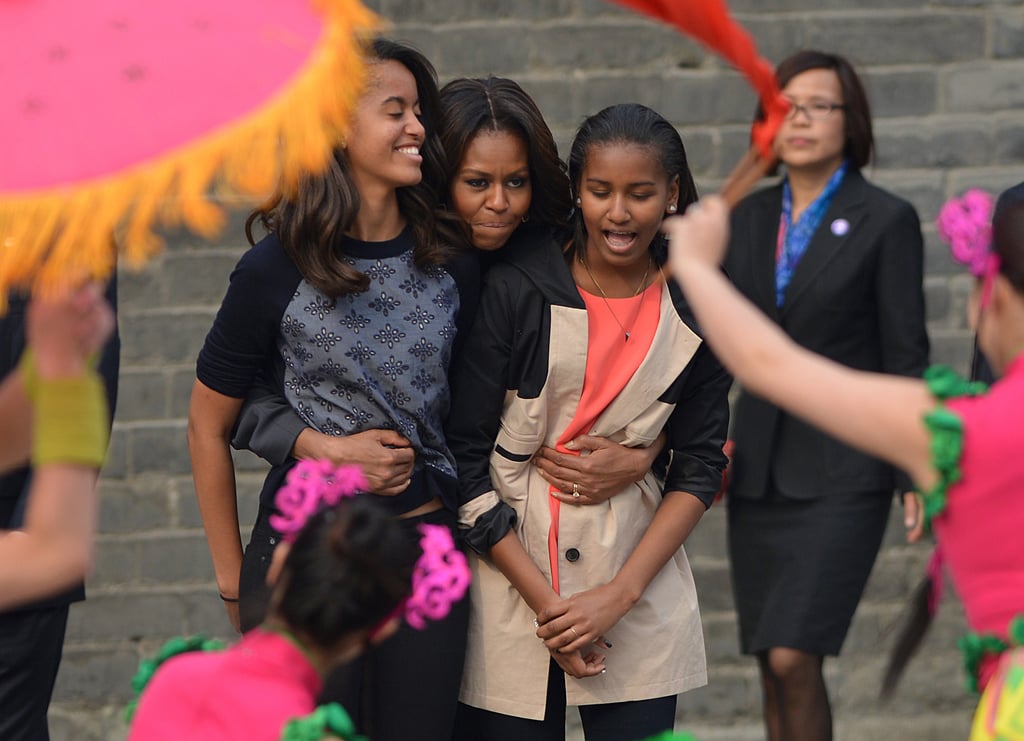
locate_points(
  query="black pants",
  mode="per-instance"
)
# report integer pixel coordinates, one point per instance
(31, 643)
(617, 721)
(405, 688)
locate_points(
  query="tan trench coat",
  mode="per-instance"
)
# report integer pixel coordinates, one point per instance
(658, 647)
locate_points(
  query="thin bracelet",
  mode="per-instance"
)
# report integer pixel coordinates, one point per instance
(227, 599)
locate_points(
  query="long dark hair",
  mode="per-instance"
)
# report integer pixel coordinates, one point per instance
(347, 570)
(497, 104)
(860, 138)
(630, 123)
(312, 224)
(1008, 238)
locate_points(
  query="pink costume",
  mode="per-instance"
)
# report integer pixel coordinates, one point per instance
(248, 691)
(979, 518)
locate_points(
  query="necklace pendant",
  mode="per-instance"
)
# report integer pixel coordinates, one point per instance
(627, 336)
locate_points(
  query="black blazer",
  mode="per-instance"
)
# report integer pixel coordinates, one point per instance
(856, 297)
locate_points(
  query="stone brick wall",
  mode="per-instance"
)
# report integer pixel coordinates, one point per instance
(946, 78)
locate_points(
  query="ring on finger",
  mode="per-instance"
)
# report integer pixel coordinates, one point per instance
(575, 490)
(574, 631)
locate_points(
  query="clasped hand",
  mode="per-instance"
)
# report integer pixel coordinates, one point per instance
(572, 628)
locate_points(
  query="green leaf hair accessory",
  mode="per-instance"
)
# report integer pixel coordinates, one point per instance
(327, 720)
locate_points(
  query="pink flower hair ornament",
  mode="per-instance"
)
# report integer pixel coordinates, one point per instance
(441, 575)
(965, 224)
(310, 486)
(440, 579)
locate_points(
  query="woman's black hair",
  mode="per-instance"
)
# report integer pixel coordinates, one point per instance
(347, 570)
(496, 104)
(1008, 238)
(860, 138)
(638, 125)
(311, 224)
(915, 623)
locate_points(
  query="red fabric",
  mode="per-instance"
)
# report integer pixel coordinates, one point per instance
(709, 22)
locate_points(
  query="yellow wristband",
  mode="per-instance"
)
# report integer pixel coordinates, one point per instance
(70, 417)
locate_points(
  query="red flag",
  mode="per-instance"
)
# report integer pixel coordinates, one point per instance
(709, 22)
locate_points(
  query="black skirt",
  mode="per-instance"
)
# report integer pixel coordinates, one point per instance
(799, 567)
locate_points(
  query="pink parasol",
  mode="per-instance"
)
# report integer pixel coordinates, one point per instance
(709, 22)
(120, 114)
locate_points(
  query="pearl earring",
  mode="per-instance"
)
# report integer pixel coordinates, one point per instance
(579, 202)
(671, 208)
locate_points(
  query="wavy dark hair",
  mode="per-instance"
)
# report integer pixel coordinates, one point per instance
(496, 104)
(860, 137)
(638, 125)
(312, 224)
(347, 570)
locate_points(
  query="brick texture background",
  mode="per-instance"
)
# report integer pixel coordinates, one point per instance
(946, 78)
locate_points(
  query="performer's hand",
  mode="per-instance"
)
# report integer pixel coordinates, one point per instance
(701, 234)
(65, 331)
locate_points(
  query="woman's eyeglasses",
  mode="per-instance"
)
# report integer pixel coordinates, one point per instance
(816, 110)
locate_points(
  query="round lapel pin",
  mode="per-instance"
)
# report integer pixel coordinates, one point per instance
(840, 227)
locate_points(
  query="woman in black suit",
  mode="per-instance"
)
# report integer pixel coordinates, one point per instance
(837, 263)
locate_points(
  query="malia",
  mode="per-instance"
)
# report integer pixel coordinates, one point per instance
(837, 263)
(572, 605)
(353, 301)
(959, 446)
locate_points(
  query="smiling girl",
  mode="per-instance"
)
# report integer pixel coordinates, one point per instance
(587, 605)
(355, 295)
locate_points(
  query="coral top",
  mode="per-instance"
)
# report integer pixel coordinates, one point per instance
(247, 692)
(612, 359)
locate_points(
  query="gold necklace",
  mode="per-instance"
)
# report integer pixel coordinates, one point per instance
(604, 296)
